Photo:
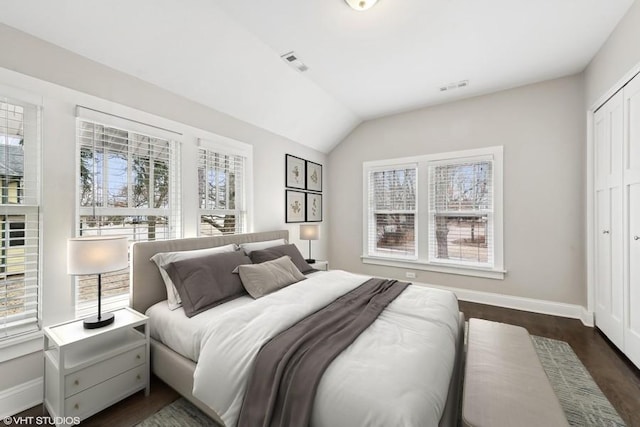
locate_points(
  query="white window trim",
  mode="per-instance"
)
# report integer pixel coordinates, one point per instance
(422, 262)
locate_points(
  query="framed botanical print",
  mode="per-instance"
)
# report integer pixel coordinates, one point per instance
(295, 206)
(314, 207)
(295, 172)
(314, 176)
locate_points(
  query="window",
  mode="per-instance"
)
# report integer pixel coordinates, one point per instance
(452, 224)
(20, 130)
(461, 212)
(393, 209)
(127, 186)
(221, 188)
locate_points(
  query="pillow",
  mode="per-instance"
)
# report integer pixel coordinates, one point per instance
(262, 279)
(206, 281)
(258, 256)
(255, 246)
(163, 259)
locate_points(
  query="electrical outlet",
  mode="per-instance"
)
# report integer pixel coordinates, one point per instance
(410, 275)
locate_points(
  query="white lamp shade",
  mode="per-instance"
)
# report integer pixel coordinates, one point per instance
(97, 254)
(309, 232)
(361, 4)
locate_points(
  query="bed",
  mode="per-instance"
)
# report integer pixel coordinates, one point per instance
(172, 356)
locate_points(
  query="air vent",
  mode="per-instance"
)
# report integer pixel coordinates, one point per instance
(454, 85)
(292, 59)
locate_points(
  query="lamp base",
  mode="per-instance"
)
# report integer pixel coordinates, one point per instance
(93, 322)
(310, 261)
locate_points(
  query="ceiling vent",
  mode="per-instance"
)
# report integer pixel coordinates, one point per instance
(292, 59)
(455, 85)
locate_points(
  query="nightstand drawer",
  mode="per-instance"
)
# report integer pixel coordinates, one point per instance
(98, 397)
(102, 371)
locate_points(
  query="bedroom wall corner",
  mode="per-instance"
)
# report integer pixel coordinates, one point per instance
(619, 54)
(542, 129)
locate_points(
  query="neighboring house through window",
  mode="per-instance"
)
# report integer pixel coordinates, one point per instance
(440, 212)
(20, 139)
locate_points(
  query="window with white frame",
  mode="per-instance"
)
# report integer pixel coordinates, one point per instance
(393, 211)
(20, 140)
(128, 184)
(444, 213)
(222, 191)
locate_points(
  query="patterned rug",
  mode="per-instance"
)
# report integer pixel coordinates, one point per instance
(580, 397)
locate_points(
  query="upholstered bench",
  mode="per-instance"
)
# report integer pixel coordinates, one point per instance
(504, 383)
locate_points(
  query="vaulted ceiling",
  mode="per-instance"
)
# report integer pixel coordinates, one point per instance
(392, 58)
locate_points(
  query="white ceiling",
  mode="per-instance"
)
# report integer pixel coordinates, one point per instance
(394, 57)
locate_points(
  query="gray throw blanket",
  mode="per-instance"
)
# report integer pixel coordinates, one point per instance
(288, 368)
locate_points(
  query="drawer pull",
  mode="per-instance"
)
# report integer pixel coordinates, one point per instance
(76, 406)
(138, 377)
(138, 356)
(76, 382)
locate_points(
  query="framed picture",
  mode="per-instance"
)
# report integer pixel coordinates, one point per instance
(295, 206)
(314, 176)
(295, 172)
(314, 207)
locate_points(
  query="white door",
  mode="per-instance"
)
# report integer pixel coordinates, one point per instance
(609, 139)
(632, 220)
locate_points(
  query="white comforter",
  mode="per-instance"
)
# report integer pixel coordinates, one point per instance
(395, 374)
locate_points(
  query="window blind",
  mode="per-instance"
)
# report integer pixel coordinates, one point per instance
(461, 212)
(128, 184)
(392, 219)
(20, 140)
(221, 188)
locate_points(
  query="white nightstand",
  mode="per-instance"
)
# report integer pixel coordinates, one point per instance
(320, 265)
(87, 370)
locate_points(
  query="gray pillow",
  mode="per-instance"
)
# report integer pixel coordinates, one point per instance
(262, 279)
(207, 281)
(276, 252)
(162, 259)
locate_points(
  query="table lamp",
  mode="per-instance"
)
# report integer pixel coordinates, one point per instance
(310, 232)
(97, 255)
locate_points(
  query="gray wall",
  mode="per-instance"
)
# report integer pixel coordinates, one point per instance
(32, 57)
(616, 57)
(542, 129)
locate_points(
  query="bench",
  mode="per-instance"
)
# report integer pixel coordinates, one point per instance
(504, 383)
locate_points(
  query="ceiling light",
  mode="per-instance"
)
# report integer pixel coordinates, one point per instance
(361, 4)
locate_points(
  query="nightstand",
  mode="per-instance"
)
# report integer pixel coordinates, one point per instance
(320, 265)
(87, 370)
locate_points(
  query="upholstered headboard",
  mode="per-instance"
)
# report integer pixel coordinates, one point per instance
(147, 287)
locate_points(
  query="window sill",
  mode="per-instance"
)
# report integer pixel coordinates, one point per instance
(14, 348)
(486, 273)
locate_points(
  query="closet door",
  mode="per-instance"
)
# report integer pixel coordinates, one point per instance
(632, 219)
(609, 265)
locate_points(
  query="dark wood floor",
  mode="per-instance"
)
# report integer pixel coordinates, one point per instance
(616, 376)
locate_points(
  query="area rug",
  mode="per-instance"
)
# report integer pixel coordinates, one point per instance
(582, 400)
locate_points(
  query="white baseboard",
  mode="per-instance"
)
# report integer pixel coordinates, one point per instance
(23, 396)
(571, 311)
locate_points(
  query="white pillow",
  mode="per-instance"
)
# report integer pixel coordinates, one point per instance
(163, 259)
(256, 246)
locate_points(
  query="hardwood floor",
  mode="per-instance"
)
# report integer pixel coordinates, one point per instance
(616, 376)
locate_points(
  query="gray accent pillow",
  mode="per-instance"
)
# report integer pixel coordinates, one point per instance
(255, 246)
(206, 281)
(275, 252)
(163, 259)
(262, 279)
